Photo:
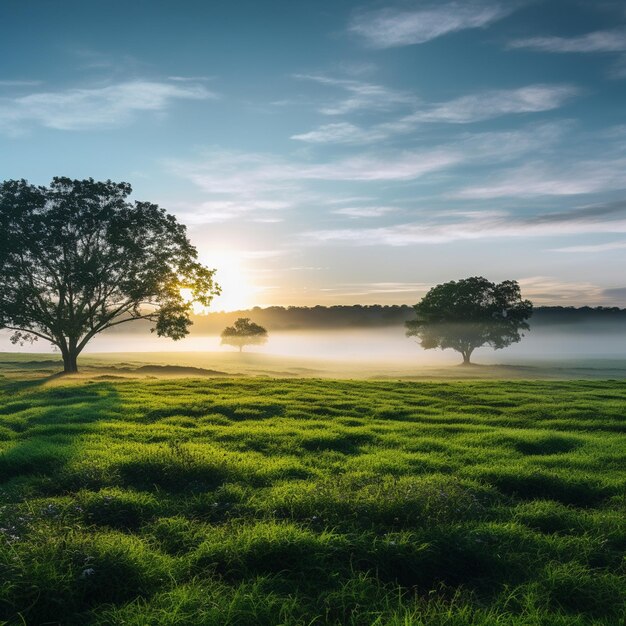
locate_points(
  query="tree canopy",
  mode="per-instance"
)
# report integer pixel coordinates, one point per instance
(77, 258)
(244, 333)
(470, 313)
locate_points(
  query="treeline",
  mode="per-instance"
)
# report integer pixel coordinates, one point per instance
(277, 318)
(577, 315)
(308, 318)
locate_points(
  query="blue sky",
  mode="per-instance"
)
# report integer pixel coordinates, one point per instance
(329, 152)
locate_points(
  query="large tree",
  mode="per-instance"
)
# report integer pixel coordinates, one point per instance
(244, 333)
(78, 257)
(470, 313)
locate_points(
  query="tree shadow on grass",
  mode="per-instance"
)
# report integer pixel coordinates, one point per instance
(11, 386)
(55, 443)
(49, 423)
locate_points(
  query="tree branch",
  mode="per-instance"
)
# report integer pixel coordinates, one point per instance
(32, 332)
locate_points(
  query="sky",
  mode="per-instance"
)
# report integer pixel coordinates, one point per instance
(339, 152)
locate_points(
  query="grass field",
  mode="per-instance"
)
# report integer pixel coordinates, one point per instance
(302, 501)
(252, 364)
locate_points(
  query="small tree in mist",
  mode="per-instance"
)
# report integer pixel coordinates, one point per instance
(244, 333)
(77, 258)
(470, 313)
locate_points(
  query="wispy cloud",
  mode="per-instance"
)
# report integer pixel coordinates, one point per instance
(590, 212)
(264, 186)
(189, 79)
(372, 288)
(505, 145)
(464, 110)
(109, 63)
(491, 104)
(366, 211)
(93, 108)
(341, 132)
(403, 165)
(598, 247)
(391, 27)
(468, 225)
(349, 200)
(549, 290)
(475, 107)
(598, 41)
(550, 179)
(542, 290)
(231, 172)
(361, 95)
(218, 211)
(355, 68)
(251, 184)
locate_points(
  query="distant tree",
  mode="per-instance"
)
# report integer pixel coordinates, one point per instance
(244, 333)
(77, 258)
(470, 313)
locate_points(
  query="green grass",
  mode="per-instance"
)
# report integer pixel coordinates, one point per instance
(302, 501)
(251, 364)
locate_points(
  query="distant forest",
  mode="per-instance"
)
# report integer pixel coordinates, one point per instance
(278, 318)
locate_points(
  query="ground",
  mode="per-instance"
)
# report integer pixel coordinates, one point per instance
(221, 500)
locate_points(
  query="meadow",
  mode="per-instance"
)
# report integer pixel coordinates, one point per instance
(302, 501)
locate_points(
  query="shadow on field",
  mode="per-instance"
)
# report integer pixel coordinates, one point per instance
(49, 425)
(56, 427)
(17, 386)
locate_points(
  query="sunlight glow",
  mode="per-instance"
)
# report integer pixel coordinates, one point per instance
(232, 276)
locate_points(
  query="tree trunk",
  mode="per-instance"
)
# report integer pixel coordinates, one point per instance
(466, 356)
(70, 365)
(70, 360)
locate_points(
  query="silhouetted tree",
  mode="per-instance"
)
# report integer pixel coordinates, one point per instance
(470, 313)
(244, 333)
(77, 258)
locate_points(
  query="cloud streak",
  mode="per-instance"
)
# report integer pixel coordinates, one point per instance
(365, 211)
(240, 183)
(230, 172)
(598, 247)
(492, 104)
(547, 179)
(218, 211)
(468, 109)
(483, 225)
(368, 289)
(598, 41)
(550, 290)
(264, 185)
(93, 108)
(341, 132)
(362, 96)
(393, 27)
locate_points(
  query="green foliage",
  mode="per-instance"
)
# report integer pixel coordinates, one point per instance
(77, 258)
(469, 313)
(300, 502)
(244, 333)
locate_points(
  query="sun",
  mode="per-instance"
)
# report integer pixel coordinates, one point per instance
(238, 292)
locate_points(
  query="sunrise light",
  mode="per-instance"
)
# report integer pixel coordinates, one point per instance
(232, 275)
